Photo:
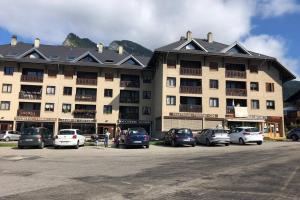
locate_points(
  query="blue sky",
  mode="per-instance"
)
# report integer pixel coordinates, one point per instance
(266, 26)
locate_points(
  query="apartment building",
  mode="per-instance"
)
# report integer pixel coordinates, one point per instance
(64, 87)
(194, 83)
(205, 84)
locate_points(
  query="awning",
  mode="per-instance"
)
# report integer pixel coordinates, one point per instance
(245, 120)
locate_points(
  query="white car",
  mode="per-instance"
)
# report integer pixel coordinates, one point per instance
(9, 135)
(242, 135)
(69, 137)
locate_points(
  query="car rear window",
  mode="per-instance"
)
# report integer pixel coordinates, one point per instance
(30, 131)
(252, 130)
(186, 132)
(219, 131)
(66, 132)
(138, 132)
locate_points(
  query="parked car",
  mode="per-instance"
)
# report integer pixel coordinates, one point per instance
(212, 137)
(242, 135)
(179, 136)
(35, 137)
(293, 134)
(9, 135)
(133, 137)
(69, 137)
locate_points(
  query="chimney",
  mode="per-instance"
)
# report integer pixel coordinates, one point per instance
(209, 37)
(120, 49)
(13, 41)
(100, 47)
(37, 43)
(189, 35)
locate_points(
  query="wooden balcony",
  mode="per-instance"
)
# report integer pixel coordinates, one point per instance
(29, 113)
(90, 98)
(235, 74)
(30, 78)
(30, 95)
(86, 81)
(190, 89)
(236, 92)
(134, 84)
(190, 108)
(90, 114)
(190, 71)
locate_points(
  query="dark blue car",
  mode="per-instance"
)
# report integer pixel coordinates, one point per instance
(134, 137)
(179, 136)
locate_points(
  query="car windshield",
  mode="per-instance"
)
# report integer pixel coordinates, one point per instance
(252, 129)
(185, 132)
(66, 132)
(30, 131)
(137, 132)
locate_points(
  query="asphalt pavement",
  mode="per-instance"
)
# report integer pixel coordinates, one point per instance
(269, 171)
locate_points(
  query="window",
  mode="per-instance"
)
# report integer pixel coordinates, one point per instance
(213, 102)
(8, 70)
(107, 109)
(49, 107)
(109, 76)
(171, 82)
(171, 63)
(213, 84)
(68, 91)
(254, 86)
(108, 92)
(66, 108)
(146, 94)
(213, 66)
(4, 105)
(255, 104)
(171, 100)
(50, 90)
(253, 69)
(6, 88)
(147, 77)
(270, 104)
(146, 110)
(270, 87)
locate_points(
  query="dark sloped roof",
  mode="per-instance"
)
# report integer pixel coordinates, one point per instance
(59, 53)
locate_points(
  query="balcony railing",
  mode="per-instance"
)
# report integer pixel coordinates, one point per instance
(85, 98)
(28, 113)
(236, 92)
(134, 116)
(30, 78)
(235, 74)
(190, 108)
(134, 84)
(30, 95)
(78, 113)
(86, 81)
(191, 89)
(190, 71)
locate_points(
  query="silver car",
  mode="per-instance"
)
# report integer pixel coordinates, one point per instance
(9, 135)
(210, 137)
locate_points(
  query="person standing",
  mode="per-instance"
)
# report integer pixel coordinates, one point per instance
(106, 137)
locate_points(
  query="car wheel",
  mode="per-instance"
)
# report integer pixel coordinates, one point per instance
(147, 146)
(77, 145)
(7, 139)
(295, 138)
(173, 143)
(42, 145)
(207, 142)
(241, 141)
(259, 143)
(227, 144)
(194, 144)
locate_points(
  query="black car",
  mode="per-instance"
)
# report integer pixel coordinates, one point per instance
(179, 136)
(293, 134)
(35, 137)
(134, 137)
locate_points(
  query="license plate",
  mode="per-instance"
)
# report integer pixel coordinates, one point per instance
(28, 140)
(137, 142)
(186, 140)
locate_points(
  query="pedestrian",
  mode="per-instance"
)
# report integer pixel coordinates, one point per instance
(96, 138)
(106, 137)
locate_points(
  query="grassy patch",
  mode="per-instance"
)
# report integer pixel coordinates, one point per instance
(158, 142)
(5, 144)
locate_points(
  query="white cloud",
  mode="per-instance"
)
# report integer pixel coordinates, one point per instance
(273, 46)
(270, 8)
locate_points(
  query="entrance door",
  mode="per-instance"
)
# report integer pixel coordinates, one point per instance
(109, 127)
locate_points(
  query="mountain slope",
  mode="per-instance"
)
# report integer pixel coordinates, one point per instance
(73, 40)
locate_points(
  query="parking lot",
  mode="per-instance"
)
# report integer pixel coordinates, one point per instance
(268, 171)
